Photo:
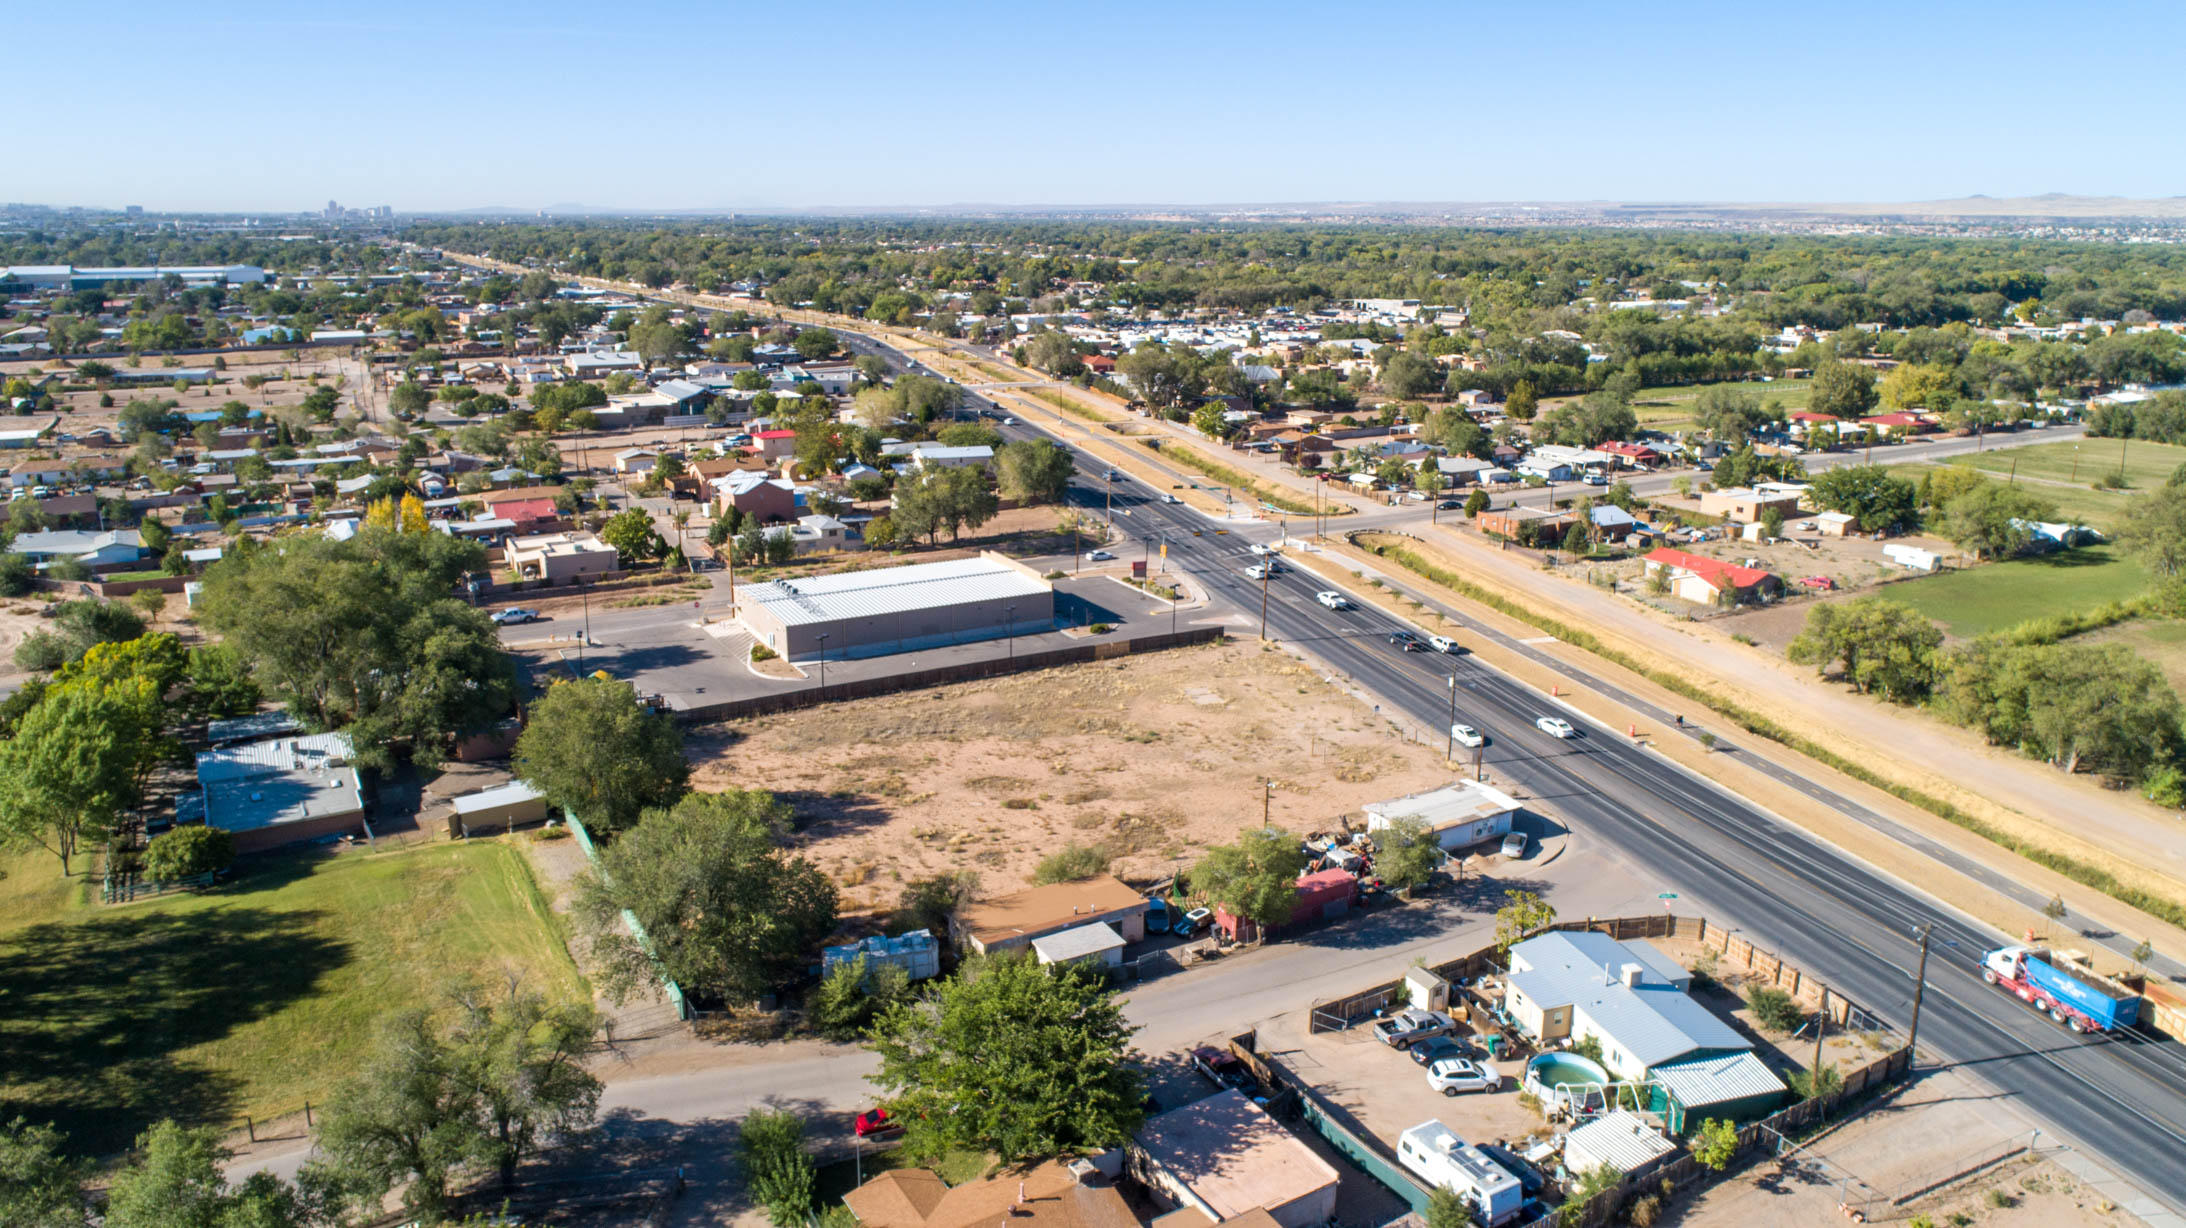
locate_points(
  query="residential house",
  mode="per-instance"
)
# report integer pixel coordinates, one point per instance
(529, 508)
(1051, 1195)
(599, 364)
(1461, 470)
(941, 456)
(1524, 523)
(1012, 922)
(1704, 581)
(1633, 455)
(92, 547)
(561, 557)
(1460, 815)
(774, 445)
(281, 790)
(1320, 895)
(1611, 523)
(636, 460)
(1227, 1158)
(1746, 505)
(752, 492)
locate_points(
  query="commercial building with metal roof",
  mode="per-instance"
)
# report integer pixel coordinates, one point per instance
(1460, 814)
(1628, 996)
(897, 609)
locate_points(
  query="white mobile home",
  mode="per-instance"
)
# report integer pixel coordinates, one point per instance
(1434, 1152)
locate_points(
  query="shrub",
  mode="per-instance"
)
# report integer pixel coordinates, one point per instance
(776, 1169)
(1774, 1009)
(1646, 1209)
(1101, 628)
(187, 852)
(1072, 862)
(760, 652)
(1589, 1048)
(847, 998)
(1715, 1143)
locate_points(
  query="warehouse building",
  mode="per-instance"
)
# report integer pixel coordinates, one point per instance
(898, 609)
(64, 277)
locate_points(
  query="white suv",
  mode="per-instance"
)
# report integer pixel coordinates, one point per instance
(1452, 1075)
(1333, 600)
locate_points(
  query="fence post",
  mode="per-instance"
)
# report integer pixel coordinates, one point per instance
(251, 1126)
(307, 1115)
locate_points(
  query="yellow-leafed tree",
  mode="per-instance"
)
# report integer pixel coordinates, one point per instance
(406, 515)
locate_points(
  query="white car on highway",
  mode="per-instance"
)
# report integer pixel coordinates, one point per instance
(1259, 571)
(1171, 499)
(1466, 735)
(1263, 550)
(1555, 727)
(1098, 556)
(1333, 600)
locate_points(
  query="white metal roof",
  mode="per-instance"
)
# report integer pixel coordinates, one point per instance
(1619, 1139)
(1078, 943)
(1713, 1080)
(893, 590)
(490, 799)
(1463, 802)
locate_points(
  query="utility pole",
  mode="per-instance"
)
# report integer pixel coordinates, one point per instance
(1920, 986)
(1449, 753)
(584, 591)
(1821, 1025)
(1267, 800)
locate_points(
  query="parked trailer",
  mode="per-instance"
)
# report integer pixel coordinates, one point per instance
(2079, 1000)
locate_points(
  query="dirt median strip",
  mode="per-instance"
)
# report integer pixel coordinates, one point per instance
(1342, 562)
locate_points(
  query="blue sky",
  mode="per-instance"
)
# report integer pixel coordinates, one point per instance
(685, 104)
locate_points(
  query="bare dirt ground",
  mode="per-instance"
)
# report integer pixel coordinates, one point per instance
(1931, 1129)
(1157, 756)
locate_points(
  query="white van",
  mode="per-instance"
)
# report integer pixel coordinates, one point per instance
(1442, 643)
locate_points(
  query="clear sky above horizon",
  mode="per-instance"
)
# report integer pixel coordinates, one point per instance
(682, 104)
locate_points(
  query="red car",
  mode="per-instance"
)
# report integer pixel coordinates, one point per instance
(875, 1123)
(1820, 582)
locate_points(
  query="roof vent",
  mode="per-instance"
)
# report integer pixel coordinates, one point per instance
(1631, 975)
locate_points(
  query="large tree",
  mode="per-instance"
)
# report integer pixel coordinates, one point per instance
(1870, 494)
(730, 914)
(1256, 877)
(175, 1181)
(1842, 390)
(40, 1183)
(1025, 1060)
(1992, 520)
(365, 635)
(69, 772)
(2153, 530)
(1877, 644)
(595, 751)
(437, 1101)
(633, 536)
(1033, 471)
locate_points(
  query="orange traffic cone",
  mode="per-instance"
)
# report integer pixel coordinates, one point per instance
(1632, 730)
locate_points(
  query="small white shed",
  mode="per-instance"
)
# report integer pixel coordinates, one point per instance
(1619, 1140)
(1097, 944)
(1912, 558)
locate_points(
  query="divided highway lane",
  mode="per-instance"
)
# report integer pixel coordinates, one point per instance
(2124, 1100)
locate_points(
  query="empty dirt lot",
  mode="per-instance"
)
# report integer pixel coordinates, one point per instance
(1156, 756)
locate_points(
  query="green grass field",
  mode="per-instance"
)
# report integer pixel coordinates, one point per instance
(2000, 595)
(2065, 473)
(2161, 643)
(1670, 406)
(251, 999)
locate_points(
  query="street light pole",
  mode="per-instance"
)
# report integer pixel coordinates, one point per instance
(585, 592)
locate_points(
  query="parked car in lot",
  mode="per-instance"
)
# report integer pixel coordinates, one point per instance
(1192, 922)
(1157, 915)
(1408, 1027)
(1333, 600)
(1453, 1075)
(1098, 556)
(1555, 727)
(515, 614)
(1436, 1048)
(1514, 844)
(1466, 735)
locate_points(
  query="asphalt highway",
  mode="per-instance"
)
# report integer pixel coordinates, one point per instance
(2121, 1099)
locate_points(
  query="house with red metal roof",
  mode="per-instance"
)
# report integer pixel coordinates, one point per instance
(1703, 581)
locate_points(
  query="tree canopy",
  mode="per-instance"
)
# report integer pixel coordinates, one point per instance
(1025, 1060)
(1254, 877)
(592, 749)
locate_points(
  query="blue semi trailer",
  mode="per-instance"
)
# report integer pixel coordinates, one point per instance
(2074, 997)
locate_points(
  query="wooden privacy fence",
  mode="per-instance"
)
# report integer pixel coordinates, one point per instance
(1735, 953)
(965, 671)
